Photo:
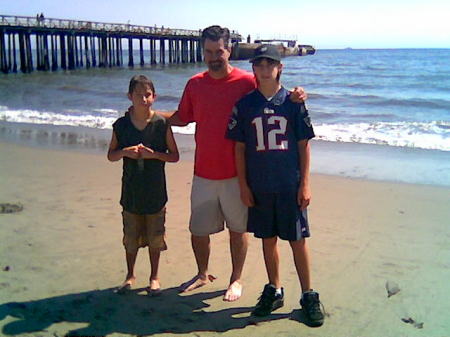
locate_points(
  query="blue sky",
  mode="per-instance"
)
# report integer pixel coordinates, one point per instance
(322, 23)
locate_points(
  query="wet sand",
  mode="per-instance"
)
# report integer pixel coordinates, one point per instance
(61, 257)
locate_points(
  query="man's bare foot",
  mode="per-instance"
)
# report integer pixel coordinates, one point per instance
(154, 288)
(233, 292)
(126, 285)
(196, 282)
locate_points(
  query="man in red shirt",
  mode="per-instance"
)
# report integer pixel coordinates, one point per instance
(208, 100)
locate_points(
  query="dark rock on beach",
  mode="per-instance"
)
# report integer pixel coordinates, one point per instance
(409, 320)
(6, 208)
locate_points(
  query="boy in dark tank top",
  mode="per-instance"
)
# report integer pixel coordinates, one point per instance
(144, 141)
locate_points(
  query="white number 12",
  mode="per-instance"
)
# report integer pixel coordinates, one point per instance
(272, 134)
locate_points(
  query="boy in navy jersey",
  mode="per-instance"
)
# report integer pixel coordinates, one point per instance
(272, 160)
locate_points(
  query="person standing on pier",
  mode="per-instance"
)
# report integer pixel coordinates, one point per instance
(208, 99)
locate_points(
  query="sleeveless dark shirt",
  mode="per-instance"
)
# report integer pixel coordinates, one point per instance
(143, 185)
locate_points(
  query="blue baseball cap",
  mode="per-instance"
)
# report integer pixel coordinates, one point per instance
(268, 51)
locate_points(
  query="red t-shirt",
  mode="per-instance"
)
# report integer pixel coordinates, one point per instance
(208, 102)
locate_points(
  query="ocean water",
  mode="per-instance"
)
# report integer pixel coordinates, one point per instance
(392, 107)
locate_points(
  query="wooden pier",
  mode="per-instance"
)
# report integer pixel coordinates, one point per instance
(72, 44)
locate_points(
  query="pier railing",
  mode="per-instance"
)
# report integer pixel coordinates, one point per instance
(36, 22)
(49, 44)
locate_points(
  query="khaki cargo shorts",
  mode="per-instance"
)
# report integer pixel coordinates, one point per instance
(215, 202)
(144, 230)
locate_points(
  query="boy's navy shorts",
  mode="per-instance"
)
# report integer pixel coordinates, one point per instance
(278, 214)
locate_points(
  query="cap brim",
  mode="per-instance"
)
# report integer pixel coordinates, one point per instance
(264, 57)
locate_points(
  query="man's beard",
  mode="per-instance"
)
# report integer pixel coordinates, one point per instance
(216, 65)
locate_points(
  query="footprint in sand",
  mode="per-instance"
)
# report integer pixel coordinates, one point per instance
(10, 208)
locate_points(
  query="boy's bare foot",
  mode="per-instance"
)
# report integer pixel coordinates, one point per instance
(233, 292)
(154, 284)
(126, 285)
(154, 288)
(196, 282)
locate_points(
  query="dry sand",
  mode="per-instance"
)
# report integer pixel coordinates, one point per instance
(62, 256)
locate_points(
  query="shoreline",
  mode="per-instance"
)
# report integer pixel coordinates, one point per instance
(64, 257)
(351, 160)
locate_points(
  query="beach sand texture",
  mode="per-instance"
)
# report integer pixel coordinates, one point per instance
(61, 257)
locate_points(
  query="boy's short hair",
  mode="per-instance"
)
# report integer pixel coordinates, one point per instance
(215, 33)
(140, 80)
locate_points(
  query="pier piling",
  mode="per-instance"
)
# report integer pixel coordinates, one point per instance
(62, 44)
(3, 61)
(28, 51)
(14, 54)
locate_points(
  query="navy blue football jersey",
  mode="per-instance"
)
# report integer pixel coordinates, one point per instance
(270, 130)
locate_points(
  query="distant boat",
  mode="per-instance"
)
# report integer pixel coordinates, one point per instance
(245, 51)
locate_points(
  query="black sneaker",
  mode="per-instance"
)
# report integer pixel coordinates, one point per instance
(268, 301)
(311, 308)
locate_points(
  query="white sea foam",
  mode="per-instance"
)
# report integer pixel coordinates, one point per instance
(432, 135)
(106, 111)
(42, 117)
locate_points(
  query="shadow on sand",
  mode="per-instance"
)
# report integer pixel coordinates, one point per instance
(132, 313)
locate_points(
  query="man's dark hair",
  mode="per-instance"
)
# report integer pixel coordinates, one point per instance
(215, 33)
(140, 80)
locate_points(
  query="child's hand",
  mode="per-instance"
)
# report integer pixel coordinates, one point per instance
(298, 95)
(303, 197)
(146, 152)
(247, 196)
(131, 152)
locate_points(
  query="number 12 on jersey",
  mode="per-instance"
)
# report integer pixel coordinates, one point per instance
(272, 134)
